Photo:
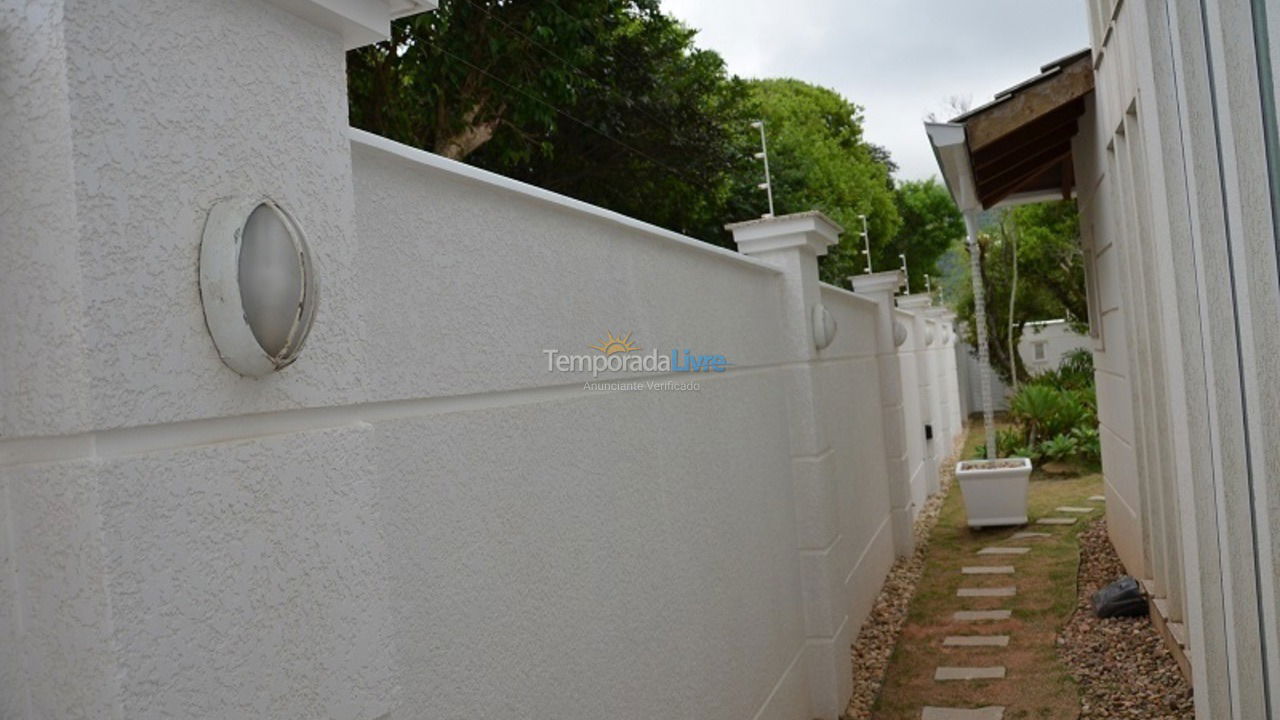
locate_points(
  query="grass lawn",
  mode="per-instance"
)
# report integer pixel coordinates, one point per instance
(1037, 684)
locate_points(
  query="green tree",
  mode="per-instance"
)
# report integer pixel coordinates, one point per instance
(930, 224)
(819, 160)
(607, 101)
(1050, 284)
(610, 102)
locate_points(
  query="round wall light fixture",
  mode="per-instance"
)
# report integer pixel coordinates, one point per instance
(257, 283)
(824, 326)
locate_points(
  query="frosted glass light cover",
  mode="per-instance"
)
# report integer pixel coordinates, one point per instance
(270, 279)
(257, 284)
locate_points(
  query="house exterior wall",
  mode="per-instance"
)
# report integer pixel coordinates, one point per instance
(1177, 182)
(1055, 339)
(1058, 338)
(416, 519)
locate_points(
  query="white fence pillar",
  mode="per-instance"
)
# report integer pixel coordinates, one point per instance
(952, 418)
(794, 243)
(926, 374)
(880, 287)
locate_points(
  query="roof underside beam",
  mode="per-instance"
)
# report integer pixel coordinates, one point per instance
(1032, 102)
(1020, 144)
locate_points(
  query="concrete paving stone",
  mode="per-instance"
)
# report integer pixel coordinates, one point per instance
(1074, 509)
(987, 570)
(995, 672)
(1029, 535)
(1004, 551)
(991, 712)
(1056, 521)
(981, 615)
(976, 641)
(987, 592)
(1098, 498)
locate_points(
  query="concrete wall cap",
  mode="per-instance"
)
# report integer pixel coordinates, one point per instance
(812, 229)
(888, 281)
(915, 301)
(359, 22)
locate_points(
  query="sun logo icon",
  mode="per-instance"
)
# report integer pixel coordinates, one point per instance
(611, 345)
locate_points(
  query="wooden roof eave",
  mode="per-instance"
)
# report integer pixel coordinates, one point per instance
(1019, 142)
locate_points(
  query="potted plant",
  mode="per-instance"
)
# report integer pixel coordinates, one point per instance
(994, 491)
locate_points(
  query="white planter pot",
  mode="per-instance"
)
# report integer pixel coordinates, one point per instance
(994, 495)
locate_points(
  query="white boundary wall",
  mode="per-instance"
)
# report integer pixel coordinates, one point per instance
(417, 519)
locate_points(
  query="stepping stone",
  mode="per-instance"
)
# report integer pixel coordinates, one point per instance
(981, 615)
(987, 570)
(995, 672)
(991, 712)
(1029, 535)
(987, 592)
(1098, 498)
(1056, 521)
(1073, 509)
(976, 641)
(1004, 551)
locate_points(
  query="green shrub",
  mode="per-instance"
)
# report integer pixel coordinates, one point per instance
(1074, 372)
(1060, 447)
(1056, 414)
(1009, 440)
(1089, 442)
(1076, 369)
(1037, 409)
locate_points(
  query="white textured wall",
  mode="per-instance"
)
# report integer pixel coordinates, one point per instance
(1177, 211)
(415, 520)
(913, 381)
(1058, 338)
(555, 545)
(851, 417)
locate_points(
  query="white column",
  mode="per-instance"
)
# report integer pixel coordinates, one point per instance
(125, 592)
(880, 287)
(793, 243)
(953, 418)
(918, 305)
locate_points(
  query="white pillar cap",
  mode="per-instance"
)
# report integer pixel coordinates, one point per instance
(812, 230)
(875, 283)
(915, 301)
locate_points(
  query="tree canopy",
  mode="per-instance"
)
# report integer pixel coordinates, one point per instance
(1050, 268)
(611, 102)
(819, 160)
(931, 223)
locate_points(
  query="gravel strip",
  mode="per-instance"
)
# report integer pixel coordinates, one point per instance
(879, 633)
(1121, 664)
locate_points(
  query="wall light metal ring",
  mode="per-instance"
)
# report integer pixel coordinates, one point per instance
(258, 284)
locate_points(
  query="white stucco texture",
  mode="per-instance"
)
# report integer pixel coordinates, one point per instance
(417, 519)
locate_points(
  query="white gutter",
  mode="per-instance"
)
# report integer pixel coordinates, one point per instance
(949, 147)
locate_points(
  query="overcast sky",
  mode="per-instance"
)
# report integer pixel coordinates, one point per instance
(898, 59)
